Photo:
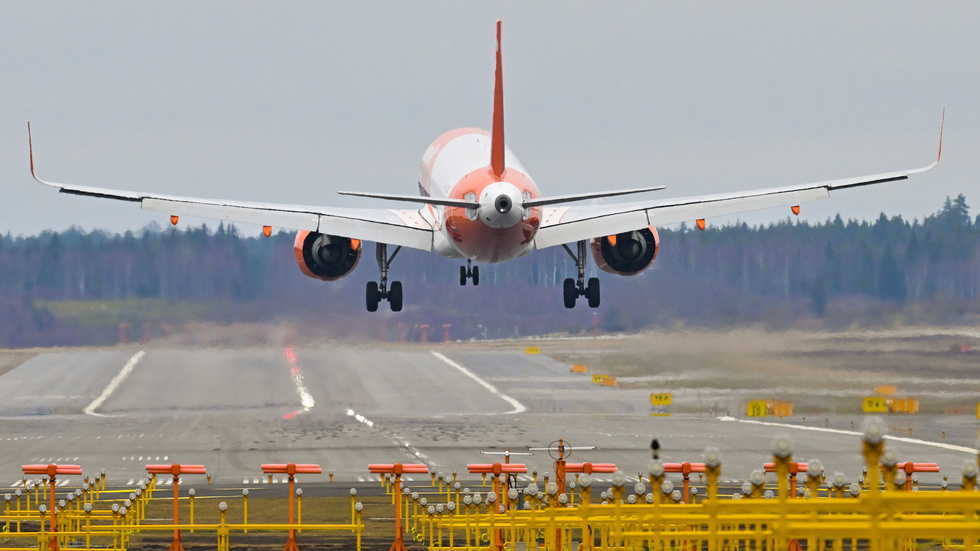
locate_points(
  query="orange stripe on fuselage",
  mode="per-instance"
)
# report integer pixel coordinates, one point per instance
(476, 240)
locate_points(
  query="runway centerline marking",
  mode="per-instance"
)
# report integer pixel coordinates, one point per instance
(518, 407)
(904, 439)
(114, 384)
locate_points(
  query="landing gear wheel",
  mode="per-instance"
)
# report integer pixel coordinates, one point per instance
(570, 293)
(395, 296)
(462, 275)
(476, 275)
(592, 292)
(373, 296)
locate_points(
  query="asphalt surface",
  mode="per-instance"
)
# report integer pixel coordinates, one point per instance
(344, 407)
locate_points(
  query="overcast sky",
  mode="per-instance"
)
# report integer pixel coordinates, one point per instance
(290, 102)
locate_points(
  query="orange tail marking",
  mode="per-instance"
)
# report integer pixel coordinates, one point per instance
(497, 135)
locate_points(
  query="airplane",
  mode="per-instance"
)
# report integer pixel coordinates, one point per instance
(479, 204)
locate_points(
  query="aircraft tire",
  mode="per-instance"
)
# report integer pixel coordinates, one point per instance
(592, 292)
(570, 293)
(476, 275)
(462, 275)
(373, 296)
(395, 296)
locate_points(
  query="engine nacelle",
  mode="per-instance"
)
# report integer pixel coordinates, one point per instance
(326, 257)
(627, 253)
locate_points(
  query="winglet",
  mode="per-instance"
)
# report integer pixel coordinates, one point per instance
(938, 155)
(30, 146)
(497, 135)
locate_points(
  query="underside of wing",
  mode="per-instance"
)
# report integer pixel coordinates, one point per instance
(574, 223)
(568, 224)
(406, 228)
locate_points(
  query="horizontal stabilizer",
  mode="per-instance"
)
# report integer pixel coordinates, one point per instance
(542, 201)
(443, 201)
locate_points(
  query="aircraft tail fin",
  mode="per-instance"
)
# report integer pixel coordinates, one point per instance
(497, 134)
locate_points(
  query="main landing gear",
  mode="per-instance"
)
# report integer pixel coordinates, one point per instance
(376, 292)
(574, 288)
(469, 272)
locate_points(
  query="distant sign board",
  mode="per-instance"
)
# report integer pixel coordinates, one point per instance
(757, 408)
(874, 404)
(661, 399)
(604, 380)
(532, 350)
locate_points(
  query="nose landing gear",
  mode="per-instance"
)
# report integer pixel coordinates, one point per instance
(469, 272)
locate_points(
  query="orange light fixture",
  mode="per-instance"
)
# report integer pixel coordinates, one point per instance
(612, 240)
(700, 223)
(173, 219)
(355, 244)
(796, 210)
(267, 230)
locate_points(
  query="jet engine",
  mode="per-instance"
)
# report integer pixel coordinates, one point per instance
(627, 253)
(326, 257)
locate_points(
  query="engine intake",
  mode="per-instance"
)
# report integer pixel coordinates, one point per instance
(326, 257)
(627, 253)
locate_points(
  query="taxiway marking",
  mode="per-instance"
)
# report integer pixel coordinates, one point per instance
(114, 384)
(907, 440)
(518, 407)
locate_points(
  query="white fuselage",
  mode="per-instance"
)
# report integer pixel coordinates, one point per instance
(456, 166)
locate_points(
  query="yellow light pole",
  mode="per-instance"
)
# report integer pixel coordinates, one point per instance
(223, 543)
(299, 508)
(782, 456)
(656, 470)
(245, 509)
(358, 507)
(585, 496)
(712, 469)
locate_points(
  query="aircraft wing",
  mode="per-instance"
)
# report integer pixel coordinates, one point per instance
(562, 225)
(406, 228)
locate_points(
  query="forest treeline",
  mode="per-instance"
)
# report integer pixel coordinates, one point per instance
(76, 287)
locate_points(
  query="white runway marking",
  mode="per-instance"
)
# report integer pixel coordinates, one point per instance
(63, 482)
(255, 481)
(131, 482)
(518, 407)
(114, 384)
(906, 440)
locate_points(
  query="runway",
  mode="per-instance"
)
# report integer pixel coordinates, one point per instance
(345, 406)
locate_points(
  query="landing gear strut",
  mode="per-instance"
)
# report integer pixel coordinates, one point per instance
(376, 292)
(574, 288)
(469, 272)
